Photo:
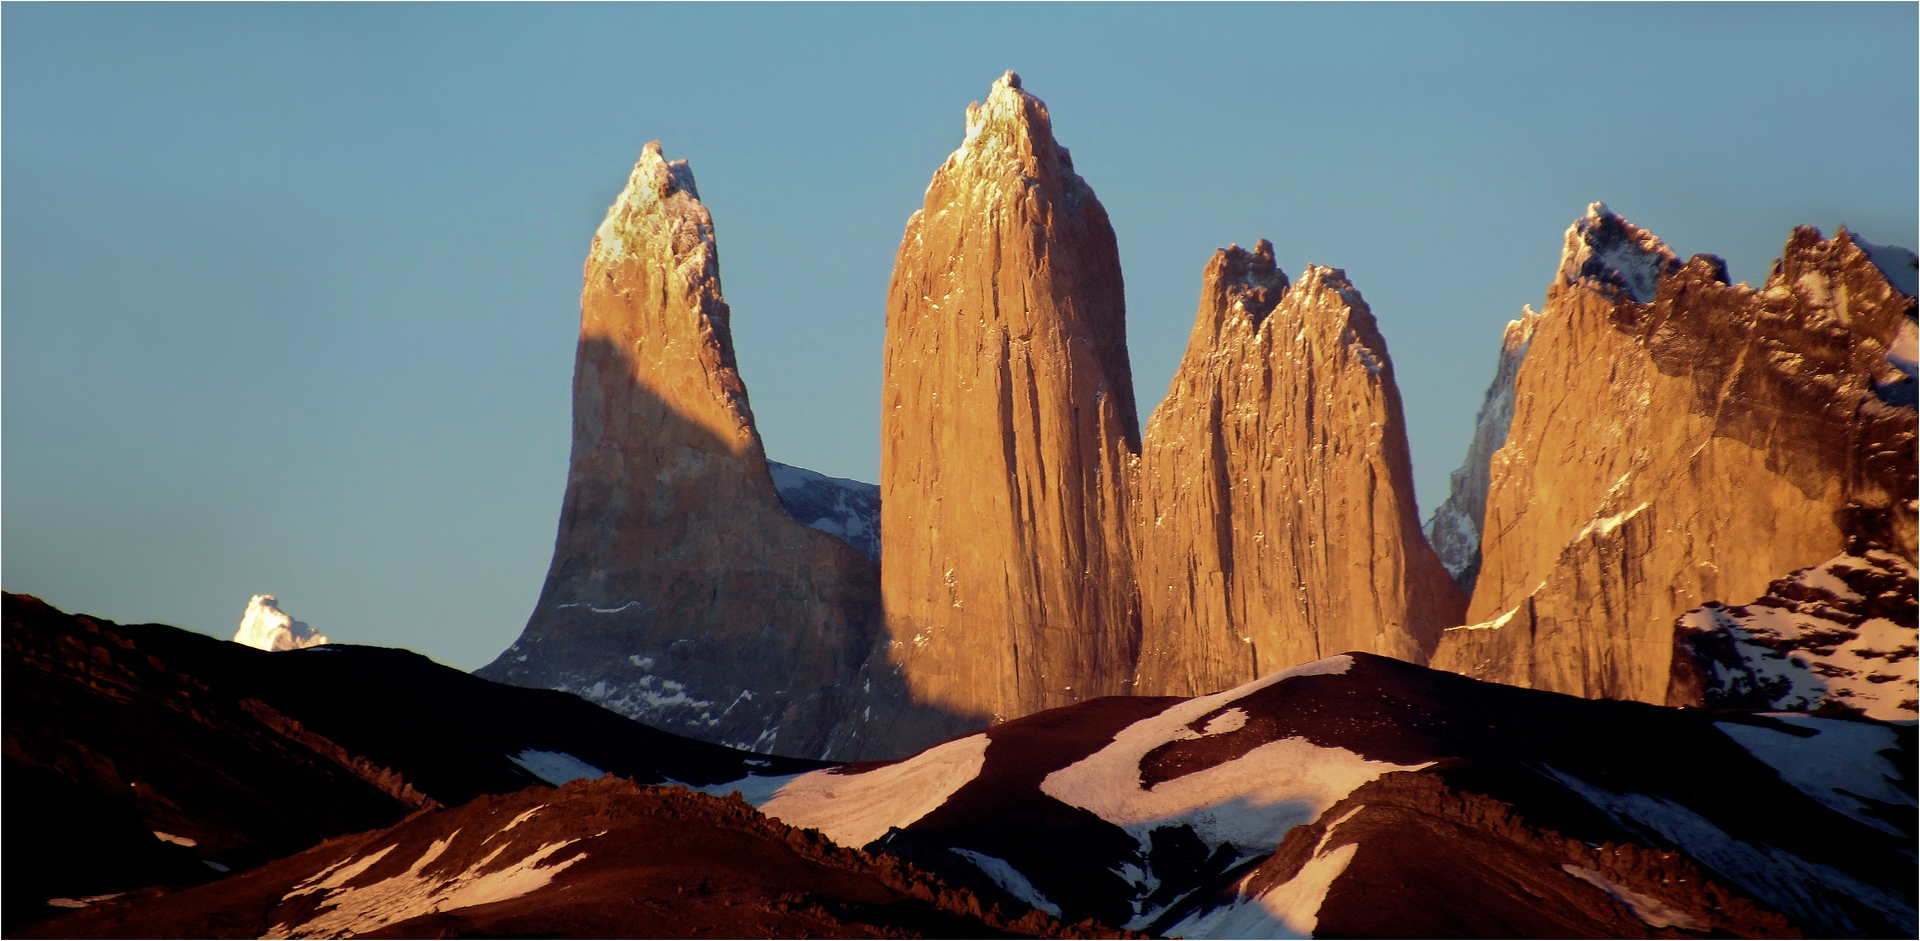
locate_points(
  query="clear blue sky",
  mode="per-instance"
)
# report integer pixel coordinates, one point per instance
(290, 292)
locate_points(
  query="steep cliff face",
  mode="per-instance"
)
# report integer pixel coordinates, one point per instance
(681, 592)
(1677, 440)
(1277, 521)
(1454, 528)
(1007, 422)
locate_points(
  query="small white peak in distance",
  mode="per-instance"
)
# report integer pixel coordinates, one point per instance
(267, 627)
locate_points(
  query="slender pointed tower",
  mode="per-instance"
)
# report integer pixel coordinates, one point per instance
(681, 592)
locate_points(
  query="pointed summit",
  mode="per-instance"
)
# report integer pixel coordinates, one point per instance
(659, 202)
(1007, 427)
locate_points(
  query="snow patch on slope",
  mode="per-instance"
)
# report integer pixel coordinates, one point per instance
(1288, 910)
(347, 910)
(1454, 529)
(856, 809)
(1840, 764)
(267, 627)
(1898, 265)
(1605, 249)
(1006, 877)
(555, 767)
(1650, 910)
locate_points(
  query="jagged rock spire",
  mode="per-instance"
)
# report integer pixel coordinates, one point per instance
(1277, 519)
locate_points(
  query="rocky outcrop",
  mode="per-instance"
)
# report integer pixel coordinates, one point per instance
(1007, 426)
(1454, 528)
(1277, 520)
(1678, 440)
(681, 592)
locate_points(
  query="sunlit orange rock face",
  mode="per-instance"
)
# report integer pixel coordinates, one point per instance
(1275, 495)
(681, 593)
(1677, 440)
(1007, 430)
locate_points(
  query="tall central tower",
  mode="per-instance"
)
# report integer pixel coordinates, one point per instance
(1008, 428)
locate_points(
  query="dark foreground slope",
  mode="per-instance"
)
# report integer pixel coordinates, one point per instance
(1360, 796)
(142, 754)
(605, 858)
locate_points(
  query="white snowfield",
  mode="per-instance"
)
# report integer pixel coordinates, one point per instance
(856, 809)
(1012, 880)
(1251, 801)
(1288, 910)
(346, 910)
(1638, 259)
(1899, 265)
(267, 627)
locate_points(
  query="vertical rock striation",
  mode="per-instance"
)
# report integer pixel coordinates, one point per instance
(1007, 426)
(1454, 528)
(681, 592)
(1677, 440)
(1277, 519)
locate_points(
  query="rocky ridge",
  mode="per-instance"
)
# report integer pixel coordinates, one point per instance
(1275, 490)
(1677, 440)
(606, 858)
(1362, 796)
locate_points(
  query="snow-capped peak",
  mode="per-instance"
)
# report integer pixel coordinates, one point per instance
(1605, 248)
(267, 627)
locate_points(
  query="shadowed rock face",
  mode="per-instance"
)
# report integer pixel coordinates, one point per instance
(1682, 446)
(1276, 492)
(1007, 424)
(681, 592)
(1454, 529)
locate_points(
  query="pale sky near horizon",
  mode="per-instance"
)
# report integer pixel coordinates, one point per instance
(290, 292)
